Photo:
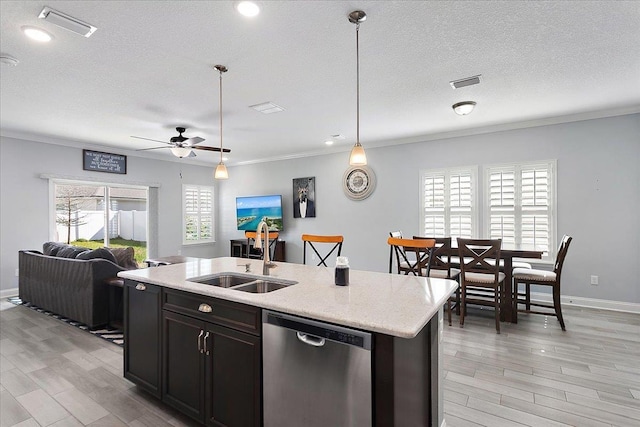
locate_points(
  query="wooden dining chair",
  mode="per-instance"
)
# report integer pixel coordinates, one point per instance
(481, 280)
(316, 240)
(530, 277)
(418, 263)
(258, 253)
(441, 268)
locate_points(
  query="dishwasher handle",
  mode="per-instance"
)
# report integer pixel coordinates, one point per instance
(311, 340)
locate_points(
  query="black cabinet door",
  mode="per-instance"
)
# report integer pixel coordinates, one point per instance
(183, 364)
(142, 335)
(233, 389)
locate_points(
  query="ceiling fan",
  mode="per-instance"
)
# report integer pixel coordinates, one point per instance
(181, 146)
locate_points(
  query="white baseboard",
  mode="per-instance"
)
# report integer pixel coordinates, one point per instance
(6, 293)
(602, 304)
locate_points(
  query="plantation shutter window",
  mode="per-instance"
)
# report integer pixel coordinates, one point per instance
(521, 206)
(448, 203)
(198, 214)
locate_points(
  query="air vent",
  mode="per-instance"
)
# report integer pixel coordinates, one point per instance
(267, 108)
(468, 81)
(67, 22)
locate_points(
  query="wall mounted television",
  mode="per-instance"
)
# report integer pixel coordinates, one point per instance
(251, 209)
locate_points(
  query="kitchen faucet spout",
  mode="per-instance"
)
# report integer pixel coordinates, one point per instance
(267, 264)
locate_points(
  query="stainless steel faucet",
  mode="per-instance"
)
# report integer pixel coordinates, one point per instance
(267, 264)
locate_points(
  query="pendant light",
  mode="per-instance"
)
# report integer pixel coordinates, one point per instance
(358, 156)
(221, 169)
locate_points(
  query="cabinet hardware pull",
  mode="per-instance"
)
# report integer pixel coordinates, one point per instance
(140, 287)
(199, 344)
(206, 348)
(205, 308)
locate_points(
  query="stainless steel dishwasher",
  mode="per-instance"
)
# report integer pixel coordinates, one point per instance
(315, 374)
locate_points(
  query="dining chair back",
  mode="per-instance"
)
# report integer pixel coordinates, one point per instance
(258, 253)
(441, 268)
(419, 263)
(530, 277)
(314, 242)
(481, 280)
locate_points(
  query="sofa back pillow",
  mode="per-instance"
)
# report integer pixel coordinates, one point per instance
(103, 253)
(52, 248)
(125, 257)
(70, 252)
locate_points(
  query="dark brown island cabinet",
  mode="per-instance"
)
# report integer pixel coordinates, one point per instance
(198, 354)
(203, 356)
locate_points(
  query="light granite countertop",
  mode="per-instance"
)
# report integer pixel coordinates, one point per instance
(392, 304)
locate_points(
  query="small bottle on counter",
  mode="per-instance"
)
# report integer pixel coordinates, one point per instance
(342, 271)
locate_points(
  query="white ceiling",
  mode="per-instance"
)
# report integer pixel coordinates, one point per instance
(148, 69)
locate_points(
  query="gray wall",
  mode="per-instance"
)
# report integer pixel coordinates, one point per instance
(598, 195)
(24, 197)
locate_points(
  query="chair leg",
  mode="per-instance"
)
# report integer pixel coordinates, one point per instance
(449, 310)
(496, 306)
(528, 295)
(514, 307)
(458, 301)
(462, 306)
(557, 307)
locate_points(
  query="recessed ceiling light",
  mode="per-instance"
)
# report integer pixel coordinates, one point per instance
(9, 60)
(328, 142)
(463, 108)
(37, 34)
(225, 159)
(247, 8)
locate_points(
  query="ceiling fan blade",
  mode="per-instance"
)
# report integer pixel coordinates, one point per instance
(204, 147)
(149, 139)
(193, 141)
(192, 154)
(153, 148)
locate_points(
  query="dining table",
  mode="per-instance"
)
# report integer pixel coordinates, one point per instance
(509, 295)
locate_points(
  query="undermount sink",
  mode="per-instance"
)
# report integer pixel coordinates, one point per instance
(243, 282)
(261, 286)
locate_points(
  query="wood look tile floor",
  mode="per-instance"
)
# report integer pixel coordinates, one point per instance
(532, 374)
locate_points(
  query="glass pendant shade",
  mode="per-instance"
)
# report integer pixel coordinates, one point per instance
(221, 172)
(180, 151)
(358, 156)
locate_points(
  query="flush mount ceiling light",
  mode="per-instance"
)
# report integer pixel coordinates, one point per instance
(247, 8)
(358, 156)
(37, 34)
(221, 169)
(329, 142)
(463, 108)
(67, 22)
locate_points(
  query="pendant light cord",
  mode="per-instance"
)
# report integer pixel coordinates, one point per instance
(357, 84)
(220, 115)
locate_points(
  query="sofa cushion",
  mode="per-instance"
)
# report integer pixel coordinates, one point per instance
(103, 253)
(52, 248)
(70, 252)
(125, 257)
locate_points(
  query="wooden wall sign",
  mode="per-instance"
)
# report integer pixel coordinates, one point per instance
(98, 161)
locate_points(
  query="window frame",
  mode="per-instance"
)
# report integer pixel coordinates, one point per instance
(200, 213)
(517, 168)
(448, 173)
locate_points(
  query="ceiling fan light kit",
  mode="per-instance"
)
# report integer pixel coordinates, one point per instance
(180, 151)
(357, 156)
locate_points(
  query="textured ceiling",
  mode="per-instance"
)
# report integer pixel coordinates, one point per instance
(148, 69)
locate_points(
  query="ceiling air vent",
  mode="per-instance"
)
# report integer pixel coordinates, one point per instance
(468, 81)
(267, 108)
(67, 22)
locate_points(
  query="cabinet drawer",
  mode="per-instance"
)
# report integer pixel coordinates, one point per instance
(226, 313)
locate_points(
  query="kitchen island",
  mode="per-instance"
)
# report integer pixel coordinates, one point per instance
(168, 317)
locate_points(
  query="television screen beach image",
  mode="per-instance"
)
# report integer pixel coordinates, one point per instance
(250, 210)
